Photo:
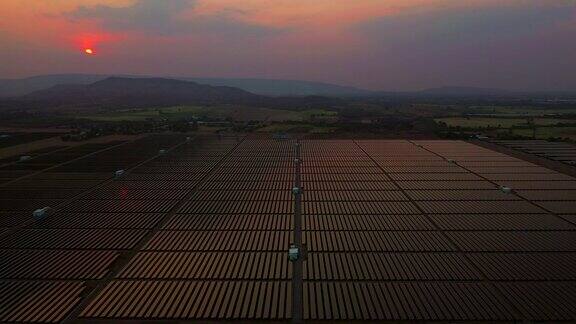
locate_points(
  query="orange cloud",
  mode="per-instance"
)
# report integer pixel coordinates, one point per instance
(41, 24)
(325, 13)
(39, 21)
(316, 39)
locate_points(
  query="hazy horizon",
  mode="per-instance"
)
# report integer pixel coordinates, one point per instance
(387, 45)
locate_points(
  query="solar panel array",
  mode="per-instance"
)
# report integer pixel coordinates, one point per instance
(402, 230)
(48, 266)
(221, 253)
(391, 230)
(56, 178)
(557, 151)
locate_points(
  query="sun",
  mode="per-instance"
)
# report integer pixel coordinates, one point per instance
(89, 51)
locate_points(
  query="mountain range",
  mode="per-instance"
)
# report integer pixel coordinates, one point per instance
(121, 92)
(265, 87)
(139, 92)
(270, 87)
(117, 92)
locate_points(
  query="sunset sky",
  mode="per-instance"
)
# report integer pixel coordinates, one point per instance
(375, 44)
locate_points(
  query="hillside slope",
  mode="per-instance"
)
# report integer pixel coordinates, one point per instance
(138, 92)
(267, 87)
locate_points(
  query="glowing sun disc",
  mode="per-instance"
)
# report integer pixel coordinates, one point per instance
(89, 51)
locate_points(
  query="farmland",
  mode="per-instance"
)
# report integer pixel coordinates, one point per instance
(514, 126)
(548, 132)
(201, 230)
(8, 139)
(188, 112)
(494, 122)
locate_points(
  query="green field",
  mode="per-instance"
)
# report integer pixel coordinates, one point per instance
(297, 128)
(318, 112)
(548, 132)
(124, 116)
(496, 122)
(187, 112)
(522, 111)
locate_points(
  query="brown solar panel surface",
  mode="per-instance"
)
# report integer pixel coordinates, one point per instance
(55, 264)
(362, 300)
(388, 266)
(502, 222)
(38, 301)
(391, 230)
(542, 301)
(559, 207)
(209, 265)
(478, 207)
(526, 266)
(186, 299)
(464, 195)
(563, 152)
(114, 239)
(101, 220)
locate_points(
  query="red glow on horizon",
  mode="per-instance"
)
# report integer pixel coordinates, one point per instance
(91, 43)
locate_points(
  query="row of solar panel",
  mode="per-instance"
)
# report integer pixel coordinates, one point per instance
(357, 266)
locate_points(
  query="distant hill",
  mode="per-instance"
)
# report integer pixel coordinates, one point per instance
(137, 92)
(466, 92)
(267, 87)
(289, 93)
(19, 87)
(285, 88)
(121, 92)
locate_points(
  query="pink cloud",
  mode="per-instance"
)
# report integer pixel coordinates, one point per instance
(410, 44)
